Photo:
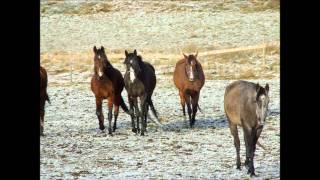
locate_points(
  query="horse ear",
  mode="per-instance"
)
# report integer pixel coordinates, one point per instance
(185, 56)
(126, 52)
(257, 87)
(135, 52)
(102, 48)
(196, 55)
(267, 88)
(95, 49)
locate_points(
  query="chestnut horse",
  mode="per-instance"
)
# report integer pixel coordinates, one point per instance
(43, 96)
(189, 79)
(107, 83)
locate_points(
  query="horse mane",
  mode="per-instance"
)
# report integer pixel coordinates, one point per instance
(141, 63)
(181, 61)
(107, 60)
(139, 58)
(108, 63)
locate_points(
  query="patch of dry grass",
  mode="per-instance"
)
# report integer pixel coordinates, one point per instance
(260, 5)
(235, 65)
(93, 7)
(63, 7)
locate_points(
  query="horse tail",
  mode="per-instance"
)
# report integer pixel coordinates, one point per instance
(258, 143)
(47, 98)
(123, 105)
(44, 79)
(150, 103)
(199, 108)
(154, 111)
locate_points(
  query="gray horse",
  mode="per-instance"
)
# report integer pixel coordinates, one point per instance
(246, 105)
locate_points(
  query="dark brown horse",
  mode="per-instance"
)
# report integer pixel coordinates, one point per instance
(246, 105)
(43, 96)
(189, 79)
(140, 81)
(107, 83)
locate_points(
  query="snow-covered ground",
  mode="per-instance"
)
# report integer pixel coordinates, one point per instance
(73, 147)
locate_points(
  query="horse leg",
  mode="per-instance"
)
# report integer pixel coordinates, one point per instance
(42, 111)
(131, 104)
(143, 105)
(99, 113)
(249, 135)
(259, 130)
(110, 107)
(253, 149)
(246, 135)
(149, 103)
(137, 112)
(236, 141)
(116, 111)
(255, 135)
(187, 98)
(194, 101)
(183, 104)
(146, 116)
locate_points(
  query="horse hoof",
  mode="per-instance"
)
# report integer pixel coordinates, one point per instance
(253, 174)
(101, 128)
(134, 130)
(114, 129)
(239, 168)
(110, 133)
(142, 133)
(193, 122)
(246, 165)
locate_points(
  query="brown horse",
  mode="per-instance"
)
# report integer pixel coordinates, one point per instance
(189, 79)
(107, 83)
(43, 95)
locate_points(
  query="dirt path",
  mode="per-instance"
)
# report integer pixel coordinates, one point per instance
(74, 147)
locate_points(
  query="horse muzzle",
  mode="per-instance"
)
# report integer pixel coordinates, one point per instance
(191, 79)
(99, 78)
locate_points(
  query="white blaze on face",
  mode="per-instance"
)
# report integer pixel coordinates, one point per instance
(100, 73)
(132, 75)
(191, 73)
(262, 112)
